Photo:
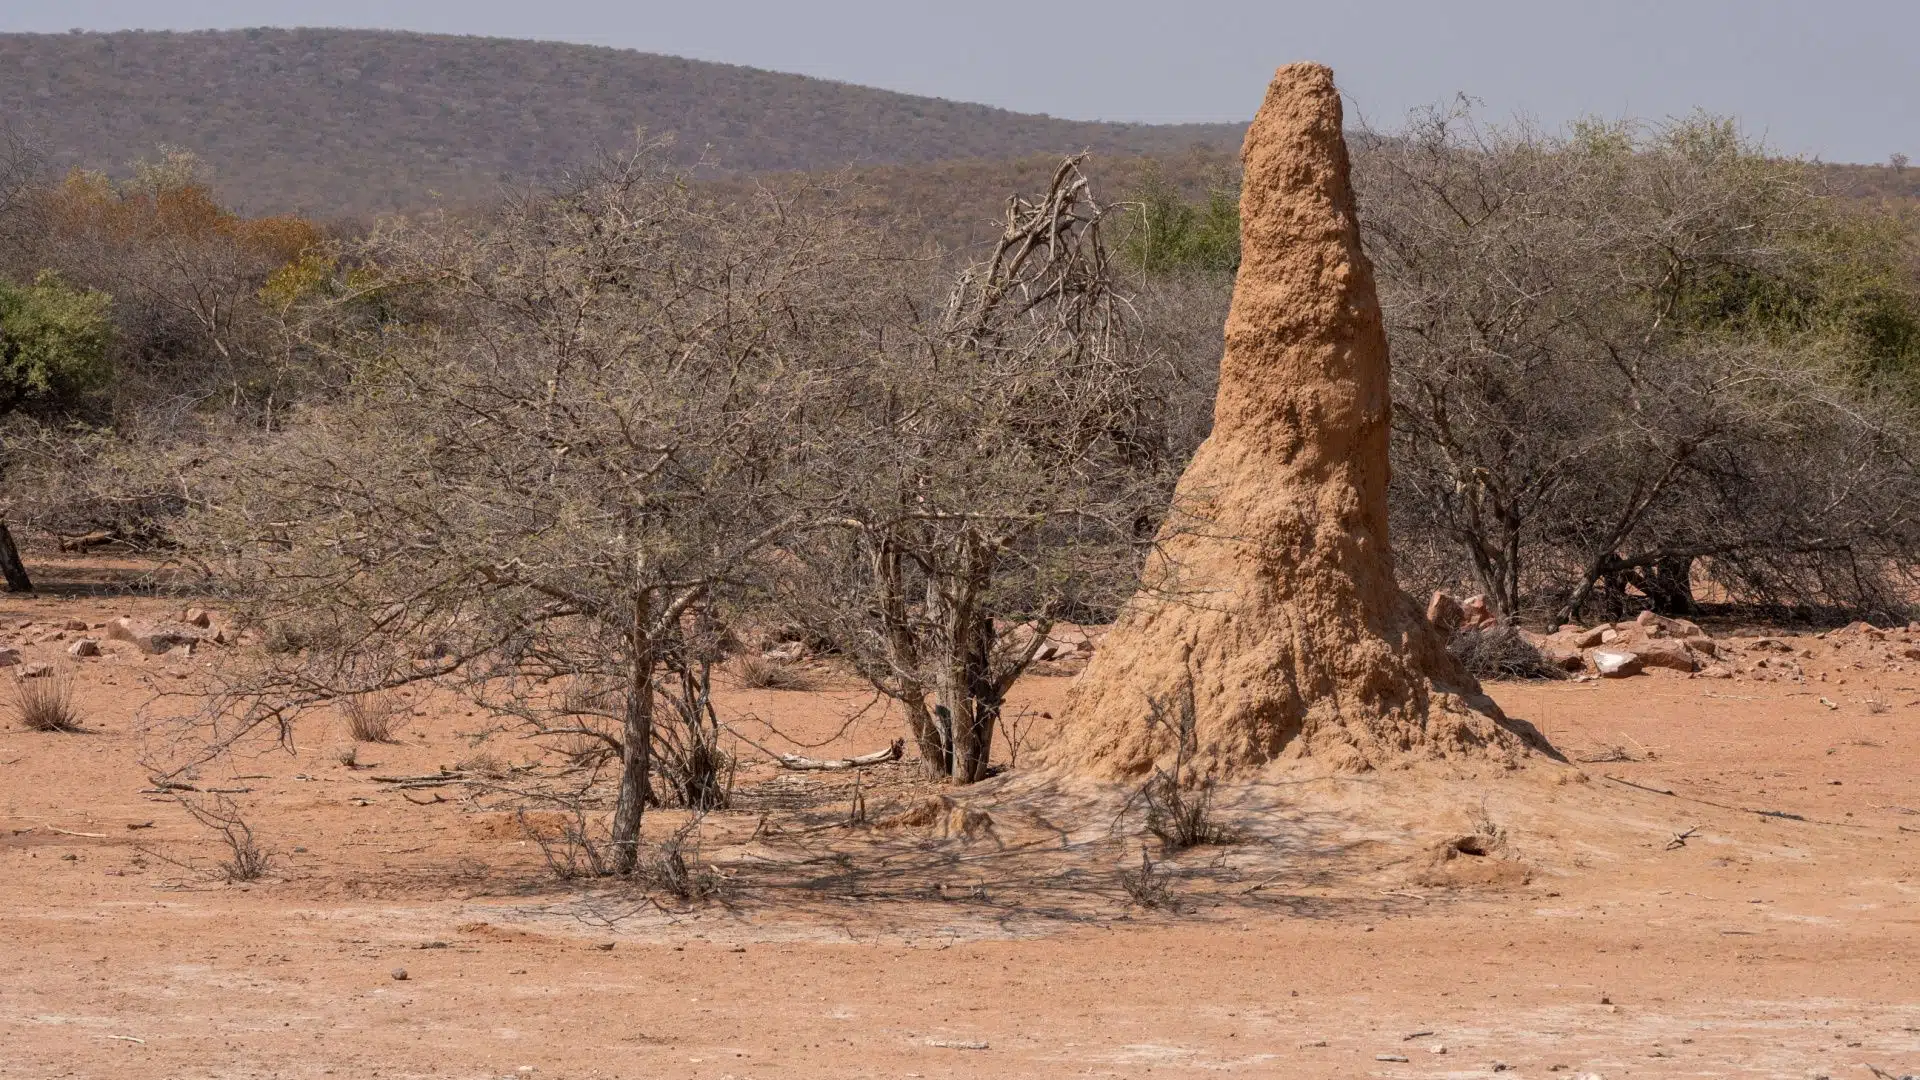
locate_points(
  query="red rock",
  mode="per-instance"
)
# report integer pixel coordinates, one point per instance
(1667, 653)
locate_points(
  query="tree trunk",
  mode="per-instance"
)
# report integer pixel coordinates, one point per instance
(930, 735)
(973, 739)
(1668, 583)
(10, 564)
(636, 759)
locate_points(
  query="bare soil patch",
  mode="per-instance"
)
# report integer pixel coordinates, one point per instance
(1722, 883)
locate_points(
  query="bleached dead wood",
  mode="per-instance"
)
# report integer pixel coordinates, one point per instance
(807, 764)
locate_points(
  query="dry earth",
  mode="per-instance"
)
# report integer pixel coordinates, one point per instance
(1326, 942)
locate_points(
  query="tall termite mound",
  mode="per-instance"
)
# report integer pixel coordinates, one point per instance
(1272, 585)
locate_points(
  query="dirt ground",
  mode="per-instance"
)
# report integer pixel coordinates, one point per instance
(1721, 884)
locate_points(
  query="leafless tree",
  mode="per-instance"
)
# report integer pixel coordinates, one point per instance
(570, 431)
(1592, 390)
(1001, 461)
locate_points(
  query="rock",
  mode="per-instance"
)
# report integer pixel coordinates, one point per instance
(1703, 645)
(36, 671)
(74, 624)
(1714, 671)
(1614, 665)
(154, 639)
(1562, 654)
(1666, 653)
(1445, 612)
(1477, 612)
(1587, 639)
(1861, 629)
(399, 974)
(1317, 654)
(198, 617)
(9, 657)
(1769, 644)
(1609, 635)
(86, 646)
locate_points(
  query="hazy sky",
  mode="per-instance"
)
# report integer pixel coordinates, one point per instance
(1840, 78)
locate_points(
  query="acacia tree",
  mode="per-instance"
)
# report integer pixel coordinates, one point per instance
(999, 463)
(1596, 365)
(567, 431)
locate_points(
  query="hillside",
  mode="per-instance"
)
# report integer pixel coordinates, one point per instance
(352, 122)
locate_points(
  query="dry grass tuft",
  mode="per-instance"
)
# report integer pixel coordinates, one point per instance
(759, 673)
(372, 717)
(1500, 652)
(46, 703)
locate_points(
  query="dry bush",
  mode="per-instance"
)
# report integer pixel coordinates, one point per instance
(759, 673)
(675, 866)
(484, 764)
(1500, 652)
(583, 751)
(573, 849)
(1179, 809)
(247, 859)
(1150, 886)
(1180, 815)
(641, 444)
(372, 717)
(45, 703)
(998, 461)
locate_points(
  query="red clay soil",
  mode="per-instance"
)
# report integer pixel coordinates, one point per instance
(1335, 938)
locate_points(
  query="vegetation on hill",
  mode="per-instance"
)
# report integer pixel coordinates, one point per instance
(351, 122)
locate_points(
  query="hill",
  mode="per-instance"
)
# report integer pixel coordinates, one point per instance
(342, 122)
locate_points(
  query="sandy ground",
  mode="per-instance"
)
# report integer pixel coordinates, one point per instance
(1330, 941)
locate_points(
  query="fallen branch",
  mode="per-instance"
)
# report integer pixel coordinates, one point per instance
(70, 832)
(1781, 814)
(443, 777)
(91, 540)
(1680, 838)
(807, 764)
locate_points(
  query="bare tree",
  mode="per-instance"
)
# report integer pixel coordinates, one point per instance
(569, 432)
(1601, 350)
(1002, 461)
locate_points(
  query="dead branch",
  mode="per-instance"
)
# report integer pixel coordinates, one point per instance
(807, 764)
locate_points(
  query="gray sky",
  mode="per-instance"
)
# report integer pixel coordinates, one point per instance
(1839, 79)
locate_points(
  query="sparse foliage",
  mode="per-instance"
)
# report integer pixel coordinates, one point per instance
(1625, 356)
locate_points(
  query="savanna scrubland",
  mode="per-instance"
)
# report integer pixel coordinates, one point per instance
(659, 596)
